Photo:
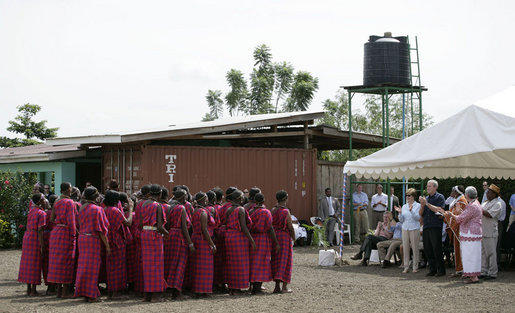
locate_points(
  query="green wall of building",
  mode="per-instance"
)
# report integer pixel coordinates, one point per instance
(63, 171)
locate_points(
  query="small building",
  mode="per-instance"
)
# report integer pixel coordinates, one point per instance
(55, 163)
(272, 151)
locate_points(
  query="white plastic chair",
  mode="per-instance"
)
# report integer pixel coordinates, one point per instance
(346, 230)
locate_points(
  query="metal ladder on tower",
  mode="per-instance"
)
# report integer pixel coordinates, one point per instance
(416, 93)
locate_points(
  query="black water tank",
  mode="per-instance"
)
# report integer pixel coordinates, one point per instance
(386, 61)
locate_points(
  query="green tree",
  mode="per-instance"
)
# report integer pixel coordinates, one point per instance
(283, 81)
(215, 103)
(269, 84)
(337, 115)
(236, 99)
(24, 124)
(302, 92)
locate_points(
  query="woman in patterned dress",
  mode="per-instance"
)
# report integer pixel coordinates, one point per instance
(93, 227)
(202, 261)
(116, 262)
(179, 244)
(152, 220)
(62, 243)
(33, 246)
(282, 260)
(263, 234)
(237, 241)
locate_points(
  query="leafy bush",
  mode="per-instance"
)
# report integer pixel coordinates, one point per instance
(6, 236)
(15, 192)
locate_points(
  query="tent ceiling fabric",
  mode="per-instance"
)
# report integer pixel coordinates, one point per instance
(475, 142)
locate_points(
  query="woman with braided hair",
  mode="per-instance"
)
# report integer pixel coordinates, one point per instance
(237, 241)
(282, 259)
(202, 261)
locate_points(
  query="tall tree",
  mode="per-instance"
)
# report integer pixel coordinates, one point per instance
(236, 99)
(337, 115)
(215, 103)
(269, 84)
(302, 92)
(283, 81)
(24, 124)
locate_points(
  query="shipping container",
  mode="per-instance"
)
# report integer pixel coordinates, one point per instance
(202, 168)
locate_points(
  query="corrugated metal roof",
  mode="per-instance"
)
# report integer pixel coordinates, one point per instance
(37, 149)
(233, 123)
(41, 152)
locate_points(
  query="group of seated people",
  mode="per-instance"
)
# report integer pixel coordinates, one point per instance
(422, 232)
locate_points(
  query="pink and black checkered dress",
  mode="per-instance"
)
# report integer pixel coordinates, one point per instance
(31, 260)
(220, 243)
(237, 266)
(152, 254)
(136, 267)
(116, 262)
(202, 265)
(46, 239)
(260, 267)
(176, 248)
(62, 245)
(92, 221)
(131, 251)
(282, 261)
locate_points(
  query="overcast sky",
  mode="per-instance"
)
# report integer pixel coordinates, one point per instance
(99, 67)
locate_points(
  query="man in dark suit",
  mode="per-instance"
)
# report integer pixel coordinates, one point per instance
(329, 210)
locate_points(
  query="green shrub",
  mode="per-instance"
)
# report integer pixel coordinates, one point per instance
(15, 192)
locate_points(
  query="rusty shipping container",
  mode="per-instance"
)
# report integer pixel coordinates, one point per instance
(202, 168)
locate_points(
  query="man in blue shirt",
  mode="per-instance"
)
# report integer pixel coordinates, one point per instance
(359, 206)
(433, 223)
(512, 210)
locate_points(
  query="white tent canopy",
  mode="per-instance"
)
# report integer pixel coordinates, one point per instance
(502, 102)
(475, 142)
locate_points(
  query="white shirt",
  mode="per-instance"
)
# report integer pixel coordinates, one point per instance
(379, 198)
(330, 202)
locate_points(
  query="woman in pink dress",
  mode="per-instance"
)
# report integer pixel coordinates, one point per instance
(202, 260)
(263, 234)
(152, 220)
(179, 244)
(237, 242)
(282, 259)
(33, 246)
(116, 262)
(220, 256)
(93, 227)
(62, 243)
(470, 235)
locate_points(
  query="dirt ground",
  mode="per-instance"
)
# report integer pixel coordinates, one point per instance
(347, 288)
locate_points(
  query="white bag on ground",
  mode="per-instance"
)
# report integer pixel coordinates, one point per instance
(374, 256)
(326, 257)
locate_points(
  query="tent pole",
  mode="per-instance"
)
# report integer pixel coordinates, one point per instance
(342, 226)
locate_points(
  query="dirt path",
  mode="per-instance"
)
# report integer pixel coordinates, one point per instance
(350, 288)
